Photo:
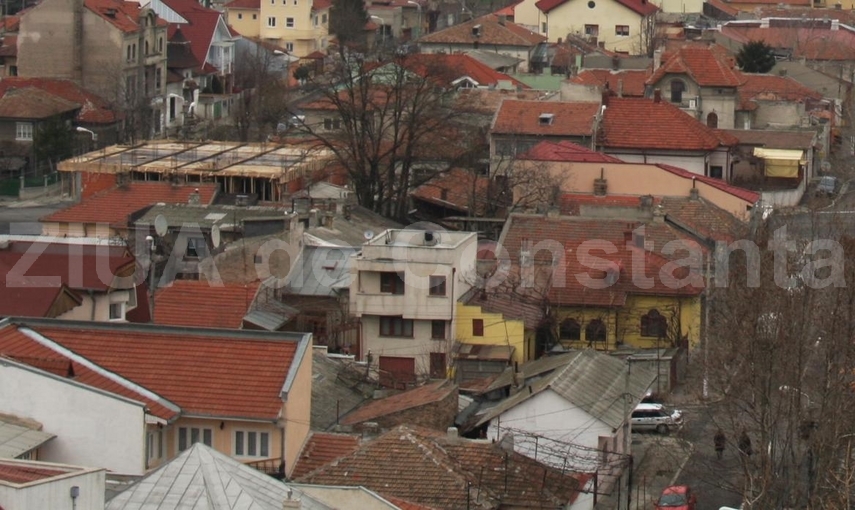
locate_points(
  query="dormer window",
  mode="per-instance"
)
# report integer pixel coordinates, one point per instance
(476, 31)
(545, 119)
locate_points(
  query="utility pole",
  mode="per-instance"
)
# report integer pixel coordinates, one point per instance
(705, 338)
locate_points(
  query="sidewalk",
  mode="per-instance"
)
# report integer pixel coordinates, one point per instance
(663, 459)
(15, 203)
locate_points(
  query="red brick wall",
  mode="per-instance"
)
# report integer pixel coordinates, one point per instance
(94, 183)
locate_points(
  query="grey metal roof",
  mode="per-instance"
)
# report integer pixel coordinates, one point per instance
(529, 370)
(336, 390)
(493, 60)
(206, 216)
(267, 320)
(342, 497)
(351, 231)
(599, 384)
(16, 438)
(320, 271)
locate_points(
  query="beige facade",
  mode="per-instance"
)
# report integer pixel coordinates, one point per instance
(295, 25)
(700, 102)
(245, 21)
(609, 23)
(530, 17)
(641, 179)
(99, 306)
(680, 6)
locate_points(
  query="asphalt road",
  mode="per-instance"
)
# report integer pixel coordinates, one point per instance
(24, 220)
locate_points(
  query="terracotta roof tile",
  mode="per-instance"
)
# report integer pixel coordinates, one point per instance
(775, 139)
(631, 82)
(747, 195)
(124, 15)
(770, 87)
(19, 474)
(204, 372)
(320, 5)
(641, 7)
(198, 303)
(491, 33)
(566, 151)
(812, 40)
(423, 395)
(448, 68)
(403, 504)
(114, 206)
(707, 66)
(669, 127)
(200, 27)
(94, 109)
(33, 103)
(244, 4)
(322, 448)
(723, 7)
(846, 16)
(431, 469)
(524, 118)
(704, 218)
(454, 189)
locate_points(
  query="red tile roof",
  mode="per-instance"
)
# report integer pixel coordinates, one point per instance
(115, 205)
(431, 469)
(322, 448)
(449, 68)
(21, 474)
(33, 103)
(492, 33)
(198, 303)
(244, 4)
(571, 203)
(594, 248)
(747, 195)
(403, 504)
(846, 16)
(507, 11)
(124, 15)
(640, 7)
(723, 7)
(204, 372)
(459, 186)
(201, 26)
(95, 109)
(630, 83)
(668, 127)
(708, 67)
(566, 151)
(320, 5)
(770, 87)
(417, 397)
(816, 42)
(523, 118)
(704, 218)
(9, 47)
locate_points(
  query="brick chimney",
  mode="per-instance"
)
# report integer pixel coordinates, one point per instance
(657, 96)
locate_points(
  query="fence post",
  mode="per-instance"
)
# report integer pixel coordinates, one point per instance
(22, 182)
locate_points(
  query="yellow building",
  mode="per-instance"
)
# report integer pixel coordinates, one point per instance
(617, 25)
(301, 27)
(476, 326)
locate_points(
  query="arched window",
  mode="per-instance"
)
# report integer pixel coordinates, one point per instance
(712, 120)
(653, 324)
(569, 330)
(160, 45)
(677, 89)
(595, 331)
(146, 48)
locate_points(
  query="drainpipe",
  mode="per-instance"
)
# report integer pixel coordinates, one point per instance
(92, 301)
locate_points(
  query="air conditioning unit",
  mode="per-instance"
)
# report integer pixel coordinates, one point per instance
(693, 103)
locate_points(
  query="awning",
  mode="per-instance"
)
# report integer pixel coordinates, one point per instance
(781, 162)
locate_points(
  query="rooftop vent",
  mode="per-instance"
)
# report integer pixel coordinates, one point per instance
(110, 12)
(545, 119)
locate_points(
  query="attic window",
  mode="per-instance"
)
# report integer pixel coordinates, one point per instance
(545, 119)
(476, 31)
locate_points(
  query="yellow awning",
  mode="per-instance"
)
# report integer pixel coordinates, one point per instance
(780, 162)
(782, 154)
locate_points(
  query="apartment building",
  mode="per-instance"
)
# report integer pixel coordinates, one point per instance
(300, 27)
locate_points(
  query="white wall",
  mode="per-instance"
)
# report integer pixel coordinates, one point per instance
(56, 493)
(694, 164)
(92, 427)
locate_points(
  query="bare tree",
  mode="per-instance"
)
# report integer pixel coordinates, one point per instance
(261, 76)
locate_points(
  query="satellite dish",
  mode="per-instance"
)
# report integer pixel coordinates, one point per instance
(369, 234)
(161, 225)
(215, 236)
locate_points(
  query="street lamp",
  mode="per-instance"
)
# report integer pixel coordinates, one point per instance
(419, 7)
(382, 27)
(80, 129)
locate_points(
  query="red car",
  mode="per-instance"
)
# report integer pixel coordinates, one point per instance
(676, 497)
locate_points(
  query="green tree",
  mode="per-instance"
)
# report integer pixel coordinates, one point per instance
(756, 57)
(347, 22)
(302, 73)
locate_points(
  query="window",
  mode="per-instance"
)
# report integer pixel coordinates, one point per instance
(117, 311)
(154, 445)
(653, 324)
(329, 124)
(477, 327)
(146, 48)
(251, 444)
(289, 46)
(716, 172)
(595, 331)
(396, 326)
(677, 89)
(592, 30)
(160, 45)
(255, 16)
(157, 77)
(569, 330)
(187, 436)
(271, 21)
(240, 16)
(133, 52)
(391, 283)
(195, 247)
(128, 58)
(323, 18)
(543, 27)
(712, 120)
(622, 30)
(315, 20)
(13, 70)
(289, 22)
(437, 286)
(437, 330)
(23, 131)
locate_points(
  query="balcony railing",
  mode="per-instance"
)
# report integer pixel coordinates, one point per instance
(272, 467)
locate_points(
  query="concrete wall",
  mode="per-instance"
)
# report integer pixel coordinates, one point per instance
(297, 411)
(92, 428)
(777, 114)
(784, 198)
(695, 163)
(45, 40)
(680, 6)
(722, 102)
(54, 492)
(418, 347)
(571, 18)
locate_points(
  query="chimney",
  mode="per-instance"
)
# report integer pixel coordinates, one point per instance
(553, 212)
(838, 6)
(782, 72)
(452, 433)
(657, 59)
(657, 96)
(693, 193)
(194, 198)
(646, 202)
(313, 218)
(605, 99)
(559, 41)
(290, 503)
(370, 429)
(658, 214)
(601, 185)
(601, 44)
(620, 87)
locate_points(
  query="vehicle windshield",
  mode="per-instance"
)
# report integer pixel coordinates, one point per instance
(672, 500)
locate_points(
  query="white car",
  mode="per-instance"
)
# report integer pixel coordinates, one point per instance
(656, 417)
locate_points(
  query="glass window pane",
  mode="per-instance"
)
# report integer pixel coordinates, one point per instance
(264, 446)
(250, 444)
(206, 437)
(238, 443)
(194, 435)
(182, 439)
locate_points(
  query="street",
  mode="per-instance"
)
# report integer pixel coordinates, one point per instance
(24, 220)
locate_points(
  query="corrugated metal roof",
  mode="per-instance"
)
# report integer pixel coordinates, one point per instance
(267, 320)
(16, 440)
(321, 270)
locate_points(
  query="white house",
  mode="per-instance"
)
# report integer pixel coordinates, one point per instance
(580, 413)
(404, 288)
(93, 427)
(28, 484)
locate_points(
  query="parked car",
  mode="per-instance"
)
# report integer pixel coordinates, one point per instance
(656, 417)
(677, 497)
(827, 185)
